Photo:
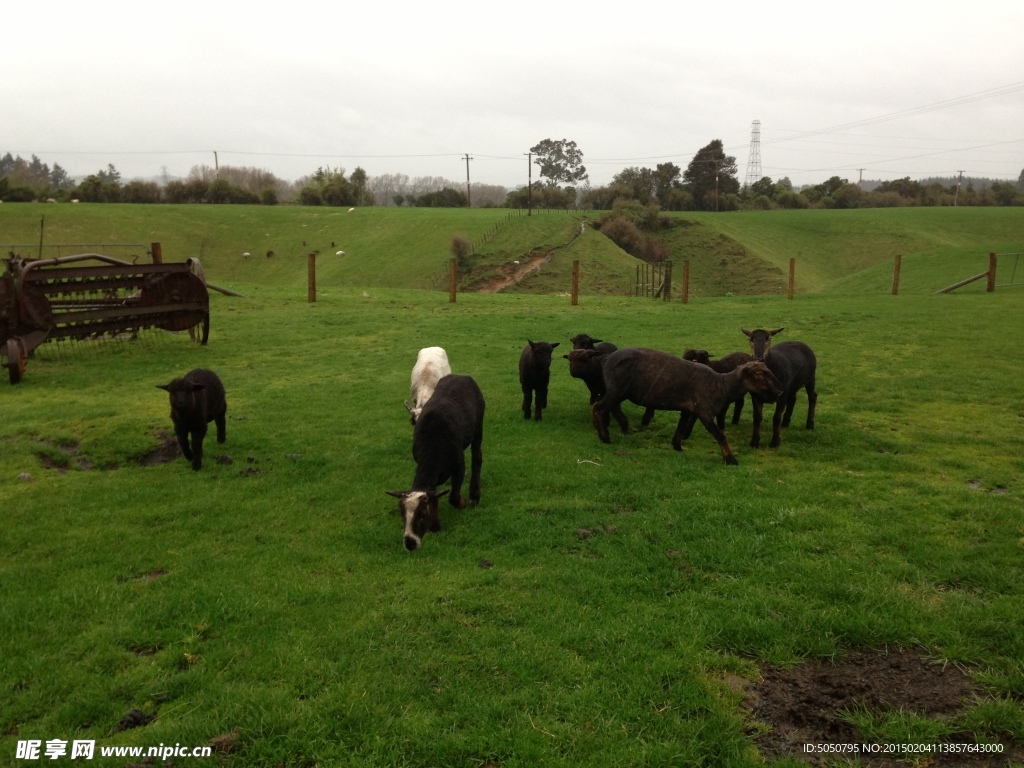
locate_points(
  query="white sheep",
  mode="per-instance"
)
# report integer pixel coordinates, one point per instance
(431, 366)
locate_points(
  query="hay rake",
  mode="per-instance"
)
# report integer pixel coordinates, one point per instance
(55, 299)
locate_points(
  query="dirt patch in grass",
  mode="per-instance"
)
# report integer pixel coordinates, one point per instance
(166, 450)
(810, 704)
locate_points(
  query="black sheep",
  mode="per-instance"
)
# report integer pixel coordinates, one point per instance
(795, 366)
(659, 380)
(197, 398)
(534, 375)
(721, 365)
(451, 421)
(583, 341)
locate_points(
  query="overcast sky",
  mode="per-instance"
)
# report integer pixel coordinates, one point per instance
(894, 88)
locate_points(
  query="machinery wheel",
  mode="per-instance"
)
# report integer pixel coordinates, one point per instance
(15, 360)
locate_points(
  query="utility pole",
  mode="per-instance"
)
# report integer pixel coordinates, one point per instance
(469, 200)
(216, 165)
(718, 164)
(529, 183)
(860, 176)
(956, 196)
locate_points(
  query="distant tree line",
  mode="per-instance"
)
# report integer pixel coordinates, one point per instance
(709, 183)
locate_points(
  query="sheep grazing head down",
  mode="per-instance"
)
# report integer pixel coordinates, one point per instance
(420, 513)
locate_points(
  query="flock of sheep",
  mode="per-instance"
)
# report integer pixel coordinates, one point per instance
(447, 410)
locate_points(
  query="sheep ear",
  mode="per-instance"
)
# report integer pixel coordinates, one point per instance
(438, 494)
(530, 343)
(396, 494)
(777, 330)
(164, 387)
(745, 332)
(555, 344)
(566, 357)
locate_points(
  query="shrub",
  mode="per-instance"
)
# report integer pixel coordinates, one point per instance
(310, 195)
(268, 196)
(140, 192)
(461, 249)
(625, 234)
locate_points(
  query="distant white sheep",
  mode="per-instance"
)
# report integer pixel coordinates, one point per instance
(350, 210)
(340, 253)
(431, 366)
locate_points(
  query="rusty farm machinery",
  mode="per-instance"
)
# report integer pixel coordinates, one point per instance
(75, 298)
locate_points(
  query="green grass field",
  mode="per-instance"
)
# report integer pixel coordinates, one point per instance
(591, 609)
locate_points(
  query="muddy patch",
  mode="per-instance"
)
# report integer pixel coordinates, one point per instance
(166, 450)
(60, 456)
(811, 704)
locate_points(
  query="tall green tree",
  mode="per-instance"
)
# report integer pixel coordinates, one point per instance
(710, 175)
(666, 178)
(640, 183)
(560, 162)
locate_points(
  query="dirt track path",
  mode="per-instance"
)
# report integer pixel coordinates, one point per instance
(500, 283)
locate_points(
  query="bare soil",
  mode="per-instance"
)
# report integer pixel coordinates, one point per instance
(510, 274)
(166, 450)
(809, 705)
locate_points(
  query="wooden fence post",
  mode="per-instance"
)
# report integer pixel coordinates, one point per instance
(158, 253)
(991, 273)
(667, 295)
(453, 277)
(896, 275)
(575, 281)
(792, 276)
(686, 281)
(311, 273)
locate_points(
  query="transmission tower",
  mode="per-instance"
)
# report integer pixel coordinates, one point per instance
(754, 161)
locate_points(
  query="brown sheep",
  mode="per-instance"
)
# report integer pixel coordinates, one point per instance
(655, 379)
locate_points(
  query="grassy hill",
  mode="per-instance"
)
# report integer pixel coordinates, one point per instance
(736, 253)
(853, 251)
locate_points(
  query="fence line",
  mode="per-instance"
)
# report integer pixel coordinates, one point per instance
(1014, 280)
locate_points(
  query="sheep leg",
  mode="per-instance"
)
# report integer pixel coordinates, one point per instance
(720, 416)
(599, 415)
(719, 435)
(683, 430)
(777, 423)
(620, 418)
(736, 411)
(812, 401)
(790, 407)
(197, 449)
(182, 434)
(648, 417)
(542, 401)
(527, 399)
(477, 462)
(455, 497)
(222, 431)
(755, 437)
